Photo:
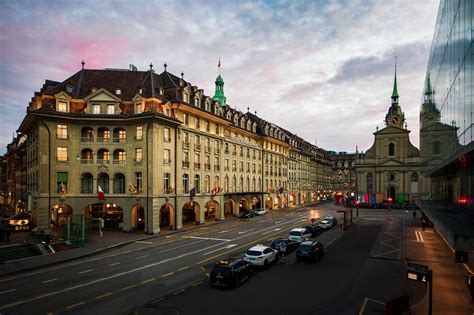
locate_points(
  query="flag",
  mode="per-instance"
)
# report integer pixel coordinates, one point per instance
(100, 194)
(219, 64)
(192, 192)
(213, 191)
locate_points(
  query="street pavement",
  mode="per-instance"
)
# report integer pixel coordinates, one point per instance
(363, 268)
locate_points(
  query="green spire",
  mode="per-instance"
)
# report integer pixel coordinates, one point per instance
(395, 90)
(219, 94)
(428, 90)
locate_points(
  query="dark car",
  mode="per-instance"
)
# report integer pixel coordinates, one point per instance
(331, 219)
(314, 229)
(290, 246)
(230, 272)
(310, 250)
(249, 214)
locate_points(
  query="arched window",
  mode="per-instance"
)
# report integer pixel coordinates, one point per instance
(87, 156)
(216, 182)
(414, 177)
(241, 186)
(86, 183)
(391, 149)
(253, 184)
(234, 183)
(208, 183)
(196, 183)
(370, 183)
(226, 183)
(103, 182)
(119, 183)
(185, 183)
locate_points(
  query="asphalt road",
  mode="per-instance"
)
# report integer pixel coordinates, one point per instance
(118, 281)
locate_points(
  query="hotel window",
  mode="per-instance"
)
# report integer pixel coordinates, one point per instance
(185, 183)
(166, 156)
(62, 153)
(122, 135)
(226, 164)
(62, 106)
(217, 129)
(139, 182)
(138, 108)
(197, 158)
(208, 126)
(61, 131)
(196, 183)
(139, 133)
(166, 182)
(208, 183)
(166, 135)
(208, 107)
(186, 119)
(95, 109)
(198, 123)
(110, 109)
(121, 156)
(138, 154)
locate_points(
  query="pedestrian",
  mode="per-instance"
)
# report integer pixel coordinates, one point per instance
(470, 285)
(423, 224)
(414, 215)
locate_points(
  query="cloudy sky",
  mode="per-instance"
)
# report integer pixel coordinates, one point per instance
(321, 69)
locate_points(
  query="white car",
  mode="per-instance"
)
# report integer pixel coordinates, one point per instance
(325, 224)
(299, 235)
(261, 255)
(261, 211)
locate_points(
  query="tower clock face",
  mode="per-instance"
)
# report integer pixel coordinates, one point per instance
(394, 120)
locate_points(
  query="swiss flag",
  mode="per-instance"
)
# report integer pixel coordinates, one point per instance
(100, 194)
(213, 191)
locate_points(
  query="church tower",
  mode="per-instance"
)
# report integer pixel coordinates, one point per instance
(429, 113)
(219, 94)
(395, 116)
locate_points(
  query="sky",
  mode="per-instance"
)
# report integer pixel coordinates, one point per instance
(320, 69)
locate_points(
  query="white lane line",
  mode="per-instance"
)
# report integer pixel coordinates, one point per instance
(215, 250)
(277, 229)
(117, 263)
(144, 242)
(223, 231)
(50, 280)
(277, 222)
(86, 271)
(8, 291)
(140, 257)
(207, 238)
(242, 232)
(417, 237)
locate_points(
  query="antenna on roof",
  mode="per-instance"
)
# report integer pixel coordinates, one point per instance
(248, 109)
(182, 75)
(255, 113)
(83, 63)
(151, 66)
(165, 65)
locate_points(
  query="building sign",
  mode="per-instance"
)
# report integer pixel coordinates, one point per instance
(418, 272)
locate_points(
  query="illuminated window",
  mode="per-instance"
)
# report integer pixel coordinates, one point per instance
(110, 109)
(138, 154)
(139, 133)
(95, 109)
(62, 106)
(61, 131)
(166, 134)
(138, 108)
(62, 153)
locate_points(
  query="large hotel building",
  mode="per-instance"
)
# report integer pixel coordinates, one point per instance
(160, 151)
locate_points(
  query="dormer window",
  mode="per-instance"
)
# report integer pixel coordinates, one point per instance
(110, 109)
(167, 111)
(118, 91)
(95, 109)
(140, 91)
(186, 97)
(161, 91)
(208, 107)
(62, 106)
(138, 108)
(69, 88)
(93, 89)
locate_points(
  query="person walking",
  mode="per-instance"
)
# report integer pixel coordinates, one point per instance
(423, 224)
(414, 215)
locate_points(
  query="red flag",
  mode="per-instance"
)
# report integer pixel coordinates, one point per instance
(219, 64)
(100, 194)
(213, 191)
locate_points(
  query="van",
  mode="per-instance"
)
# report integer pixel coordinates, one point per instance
(299, 235)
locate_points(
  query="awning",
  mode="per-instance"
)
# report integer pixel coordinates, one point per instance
(62, 177)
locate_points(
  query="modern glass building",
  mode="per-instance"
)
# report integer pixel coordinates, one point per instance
(448, 103)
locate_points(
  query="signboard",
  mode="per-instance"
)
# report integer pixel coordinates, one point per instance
(418, 272)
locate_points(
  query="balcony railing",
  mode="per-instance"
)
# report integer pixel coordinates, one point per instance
(118, 161)
(234, 153)
(138, 138)
(207, 149)
(234, 169)
(217, 168)
(186, 164)
(87, 139)
(197, 147)
(102, 139)
(166, 161)
(103, 161)
(185, 144)
(226, 151)
(207, 167)
(167, 139)
(217, 150)
(87, 161)
(137, 161)
(120, 140)
(226, 168)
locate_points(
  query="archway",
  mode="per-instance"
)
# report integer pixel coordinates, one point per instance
(243, 205)
(229, 208)
(111, 213)
(256, 204)
(391, 193)
(166, 211)
(277, 202)
(138, 217)
(283, 201)
(191, 212)
(211, 210)
(269, 203)
(292, 200)
(59, 214)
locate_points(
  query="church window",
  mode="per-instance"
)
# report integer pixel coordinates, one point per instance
(391, 149)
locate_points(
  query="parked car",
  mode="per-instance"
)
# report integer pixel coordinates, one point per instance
(331, 219)
(315, 229)
(261, 211)
(311, 250)
(325, 224)
(249, 214)
(299, 235)
(261, 255)
(230, 272)
(290, 245)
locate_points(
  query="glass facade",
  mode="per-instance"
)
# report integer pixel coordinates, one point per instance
(448, 100)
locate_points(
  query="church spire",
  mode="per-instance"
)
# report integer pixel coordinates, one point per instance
(395, 89)
(219, 94)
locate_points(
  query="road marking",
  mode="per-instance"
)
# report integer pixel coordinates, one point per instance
(157, 300)
(8, 291)
(50, 280)
(362, 309)
(167, 274)
(224, 231)
(75, 305)
(178, 292)
(277, 229)
(117, 263)
(184, 268)
(103, 295)
(203, 269)
(277, 222)
(128, 287)
(197, 283)
(86, 271)
(140, 257)
(148, 280)
(242, 232)
(225, 247)
(207, 238)
(144, 242)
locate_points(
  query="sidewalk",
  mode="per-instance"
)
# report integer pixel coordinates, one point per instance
(110, 240)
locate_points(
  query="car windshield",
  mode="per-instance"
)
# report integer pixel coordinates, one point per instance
(305, 247)
(254, 253)
(221, 270)
(295, 233)
(324, 222)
